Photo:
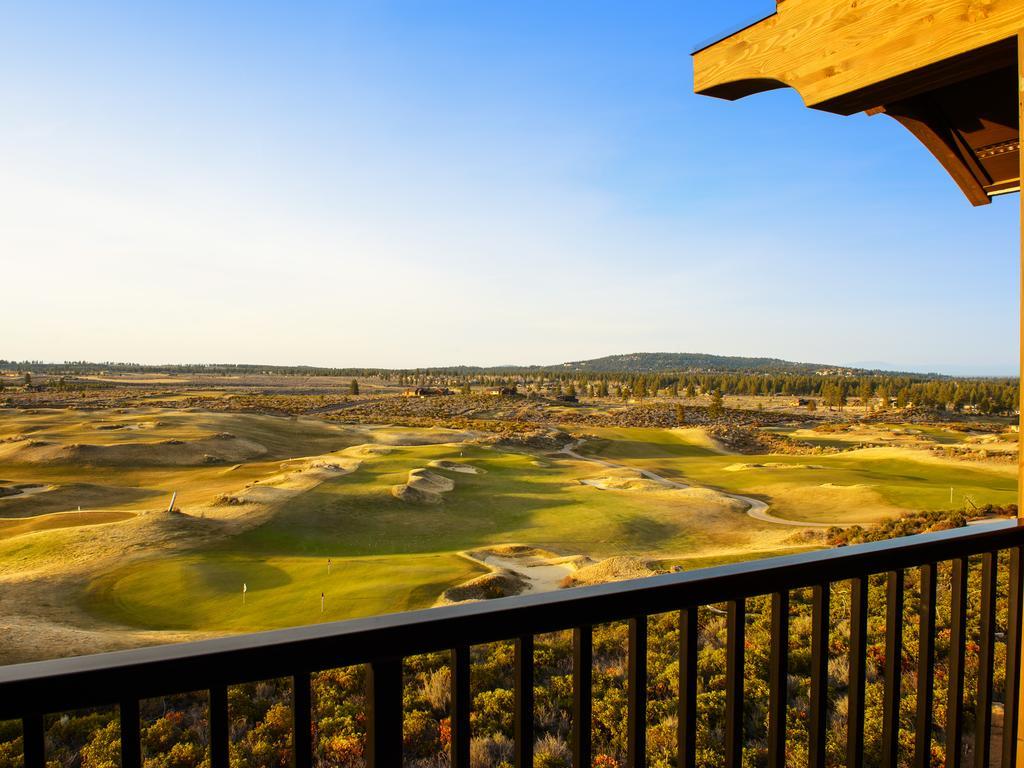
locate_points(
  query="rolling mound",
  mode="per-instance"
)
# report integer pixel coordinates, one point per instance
(486, 587)
(218, 449)
(611, 569)
(69, 497)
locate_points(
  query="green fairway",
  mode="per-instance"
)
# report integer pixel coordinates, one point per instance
(857, 486)
(513, 500)
(398, 555)
(204, 592)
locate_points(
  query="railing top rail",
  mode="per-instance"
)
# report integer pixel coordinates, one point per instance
(81, 681)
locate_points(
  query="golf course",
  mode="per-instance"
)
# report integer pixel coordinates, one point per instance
(282, 520)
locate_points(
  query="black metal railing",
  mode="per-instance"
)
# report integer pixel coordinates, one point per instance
(30, 691)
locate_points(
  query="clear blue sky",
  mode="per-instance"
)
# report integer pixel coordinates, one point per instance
(416, 183)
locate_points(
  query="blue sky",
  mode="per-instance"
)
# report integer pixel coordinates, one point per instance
(423, 183)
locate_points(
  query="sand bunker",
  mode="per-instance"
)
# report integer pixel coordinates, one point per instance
(454, 466)
(423, 487)
(517, 569)
(26, 489)
(536, 570)
(625, 480)
(294, 478)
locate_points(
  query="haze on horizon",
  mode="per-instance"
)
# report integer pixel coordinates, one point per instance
(403, 185)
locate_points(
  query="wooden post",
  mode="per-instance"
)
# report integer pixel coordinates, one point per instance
(1020, 309)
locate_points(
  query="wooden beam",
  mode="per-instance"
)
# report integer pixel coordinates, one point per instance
(928, 128)
(834, 53)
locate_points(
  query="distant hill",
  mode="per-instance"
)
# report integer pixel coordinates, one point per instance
(664, 362)
(635, 363)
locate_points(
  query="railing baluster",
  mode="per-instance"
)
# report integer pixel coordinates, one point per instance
(957, 637)
(302, 721)
(131, 741)
(34, 740)
(893, 670)
(986, 652)
(219, 736)
(687, 720)
(858, 667)
(524, 702)
(1013, 650)
(461, 705)
(384, 713)
(778, 681)
(818, 716)
(582, 703)
(736, 616)
(925, 668)
(636, 728)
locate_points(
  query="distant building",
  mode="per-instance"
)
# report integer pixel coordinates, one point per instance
(502, 391)
(427, 392)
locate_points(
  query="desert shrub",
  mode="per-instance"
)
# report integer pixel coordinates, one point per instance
(437, 689)
(496, 751)
(551, 752)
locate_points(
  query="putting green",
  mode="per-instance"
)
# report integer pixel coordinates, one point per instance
(204, 592)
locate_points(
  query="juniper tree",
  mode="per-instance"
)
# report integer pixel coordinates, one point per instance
(716, 408)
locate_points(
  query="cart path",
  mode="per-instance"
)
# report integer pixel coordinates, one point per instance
(756, 508)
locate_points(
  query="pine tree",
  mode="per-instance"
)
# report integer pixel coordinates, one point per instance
(716, 408)
(866, 393)
(353, 387)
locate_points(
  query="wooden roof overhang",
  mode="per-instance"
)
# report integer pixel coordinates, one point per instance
(945, 69)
